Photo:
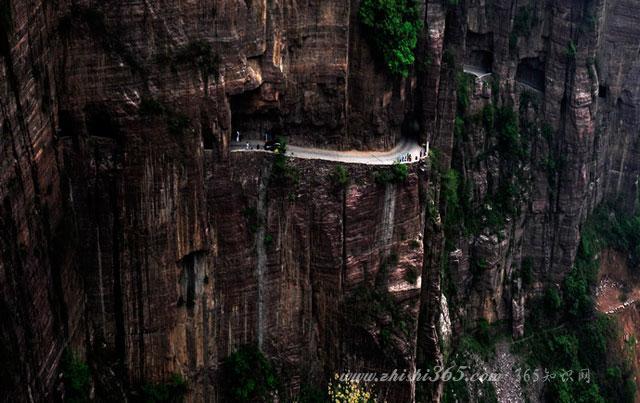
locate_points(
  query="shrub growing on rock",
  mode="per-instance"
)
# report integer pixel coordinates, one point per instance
(340, 176)
(398, 173)
(393, 27)
(248, 376)
(76, 377)
(171, 391)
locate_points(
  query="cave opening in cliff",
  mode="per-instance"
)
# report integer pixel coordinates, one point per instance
(531, 72)
(479, 52)
(187, 282)
(481, 59)
(252, 115)
(192, 277)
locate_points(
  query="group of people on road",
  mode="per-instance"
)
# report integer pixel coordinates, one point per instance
(405, 158)
(408, 157)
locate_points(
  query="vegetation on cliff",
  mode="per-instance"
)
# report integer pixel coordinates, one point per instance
(524, 20)
(171, 391)
(283, 173)
(340, 176)
(248, 376)
(77, 378)
(393, 26)
(398, 173)
(564, 331)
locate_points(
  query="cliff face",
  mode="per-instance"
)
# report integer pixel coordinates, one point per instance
(129, 230)
(557, 72)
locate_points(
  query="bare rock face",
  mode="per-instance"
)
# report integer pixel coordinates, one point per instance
(132, 235)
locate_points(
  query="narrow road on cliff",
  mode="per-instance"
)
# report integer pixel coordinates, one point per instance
(477, 71)
(399, 153)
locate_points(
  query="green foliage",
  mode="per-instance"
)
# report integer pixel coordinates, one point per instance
(458, 128)
(510, 142)
(283, 173)
(411, 275)
(340, 176)
(248, 376)
(450, 183)
(483, 334)
(528, 98)
(495, 87)
(577, 293)
(526, 271)
(76, 377)
(488, 117)
(523, 21)
(552, 301)
(393, 26)
(414, 244)
(589, 22)
(398, 173)
(480, 340)
(619, 385)
(479, 265)
(489, 393)
(448, 58)
(612, 229)
(456, 392)
(369, 306)
(449, 189)
(571, 50)
(268, 240)
(568, 392)
(172, 391)
(570, 335)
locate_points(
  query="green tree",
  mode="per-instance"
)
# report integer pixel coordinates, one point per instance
(171, 391)
(340, 176)
(393, 27)
(248, 376)
(77, 378)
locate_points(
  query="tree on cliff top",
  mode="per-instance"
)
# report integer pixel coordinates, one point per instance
(393, 27)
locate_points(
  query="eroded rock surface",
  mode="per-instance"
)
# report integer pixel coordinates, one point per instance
(131, 234)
